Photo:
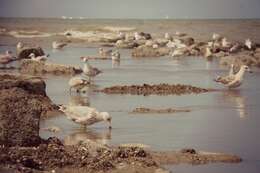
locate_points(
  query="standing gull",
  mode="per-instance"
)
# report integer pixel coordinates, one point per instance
(115, 56)
(103, 52)
(78, 83)
(85, 115)
(233, 80)
(38, 58)
(88, 70)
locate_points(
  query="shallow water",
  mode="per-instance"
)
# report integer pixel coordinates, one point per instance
(221, 121)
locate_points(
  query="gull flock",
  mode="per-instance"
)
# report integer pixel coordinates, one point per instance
(86, 115)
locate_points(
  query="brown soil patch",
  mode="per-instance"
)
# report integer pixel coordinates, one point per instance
(159, 89)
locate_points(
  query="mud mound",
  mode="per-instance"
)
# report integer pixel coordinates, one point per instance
(160, 89)
(36, 67)
(52, 154)
(25, 52)
(22, 102)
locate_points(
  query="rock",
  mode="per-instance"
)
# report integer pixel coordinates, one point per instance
(26, 51)
(145, 51)
(36, 67)
(22, 102)
(188, 151)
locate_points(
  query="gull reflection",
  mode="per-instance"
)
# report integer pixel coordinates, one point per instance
(79, 100)
(234, 96)
(115, 63)
(88, 135)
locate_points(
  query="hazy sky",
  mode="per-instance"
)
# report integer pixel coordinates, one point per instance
(131, 8)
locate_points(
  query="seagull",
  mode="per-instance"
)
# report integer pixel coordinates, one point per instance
(248, 44)
(38, 58)
(216, 37)
(121, 36)
(179, 34)
(235, 48)
(85, 115)
(6, 58)
(208, 53)
(78, 83)
(19, 45)
(179, 52)
(58, 45)
(115, 56)
(233, 80)
(103, 52)
(167, 36)
(225, 43)
(155, 46)
(88, 70)
(139, 36)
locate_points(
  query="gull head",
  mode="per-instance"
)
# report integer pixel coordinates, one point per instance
(106, 117)
(84, 59)
(246, 68)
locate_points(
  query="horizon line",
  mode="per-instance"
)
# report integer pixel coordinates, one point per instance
(98, 18)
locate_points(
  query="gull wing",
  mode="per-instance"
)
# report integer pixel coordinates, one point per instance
(234, 84)
(225, 79)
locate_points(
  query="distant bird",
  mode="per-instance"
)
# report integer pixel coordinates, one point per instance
(19, 45)
(248, 44)
(88, 70)
(58, 45)
(6, 58)
(103, 52)
(115, 56)
(208, 53)
(121, 35)
(155, 46)
(137, 36)
(78, 83)
(225, 43)
(85, 115)
(179, 52)
(42, 58)
(235, 48)
(180, 34)
(167, 36)
(235, 80)
(216, 37)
